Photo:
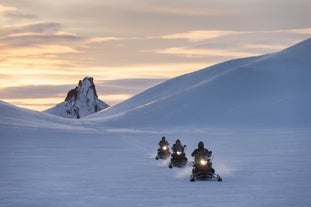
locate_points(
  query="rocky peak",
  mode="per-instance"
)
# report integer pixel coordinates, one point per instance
(84, 87)
(80, 101)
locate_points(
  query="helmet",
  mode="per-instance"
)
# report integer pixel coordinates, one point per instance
(163, 138)
(177, 141)
(201, 145)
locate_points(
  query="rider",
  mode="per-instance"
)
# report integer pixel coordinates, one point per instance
(201, 151)
(198, 153)
(163, 142)
(178, 146)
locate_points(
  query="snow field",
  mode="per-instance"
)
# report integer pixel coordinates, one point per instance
(253, 113)
(44, 167)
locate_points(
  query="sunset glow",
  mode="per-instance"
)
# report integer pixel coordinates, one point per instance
(47, 48)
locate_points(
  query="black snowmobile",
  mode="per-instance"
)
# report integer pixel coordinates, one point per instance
(178, 159)
(163, 152)
(203, 170)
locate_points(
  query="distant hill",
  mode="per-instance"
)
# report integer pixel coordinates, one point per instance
(272, 90)
(269, 90)
(17, 116)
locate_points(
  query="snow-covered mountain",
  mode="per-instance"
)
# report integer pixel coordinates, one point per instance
(80, 101)
(52, 161)
(269, 90)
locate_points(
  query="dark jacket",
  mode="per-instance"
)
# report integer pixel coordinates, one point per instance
(163, 143)
(177, 147)
(201, 152)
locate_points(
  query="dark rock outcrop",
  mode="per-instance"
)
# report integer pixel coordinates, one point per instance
(80, 101)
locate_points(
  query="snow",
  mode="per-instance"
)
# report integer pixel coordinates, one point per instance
(265, 91)
(107, 159)
(55, 167)
(80, 102)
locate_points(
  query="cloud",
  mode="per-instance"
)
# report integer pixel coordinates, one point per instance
(105, 87)
(42, 96)
(211, 44)
(34, 60)
(179, 10)
(203, 52)
(35, 34)
(39, 104)
(44, 42)
(199, 35)
(205, 35)
(44, 45)
(13, 12)
(127, 86)
(302, 31)
(4, 10)
(102, 39)
(34, 91)
(36, 45)
(264, 46)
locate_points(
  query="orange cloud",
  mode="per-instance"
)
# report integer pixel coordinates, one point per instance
(102, 39)
(302, 31)
(38, 104)
(201, 52)
(199, 35)
(5, 10)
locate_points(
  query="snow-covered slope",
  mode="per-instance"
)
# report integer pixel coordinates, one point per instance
(80, 102)
(61, 166)
(269, 90)
(51, 161)
(11, 115)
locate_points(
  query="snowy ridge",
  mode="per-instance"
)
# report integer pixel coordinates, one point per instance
(51, 161)
(269, 90)
(20, 117)
(80, 102)
(173, 87)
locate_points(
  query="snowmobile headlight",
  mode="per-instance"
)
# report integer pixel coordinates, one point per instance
(203, 162)
(164, 147)
(178, 152)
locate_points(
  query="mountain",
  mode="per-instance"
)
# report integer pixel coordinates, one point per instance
(52, 161)
(80, 101)
(271, 90)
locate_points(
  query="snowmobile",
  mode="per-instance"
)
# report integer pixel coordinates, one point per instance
(202, 170)
(178, 159)
(163, 152)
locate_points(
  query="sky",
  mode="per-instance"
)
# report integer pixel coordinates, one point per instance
(127, 46)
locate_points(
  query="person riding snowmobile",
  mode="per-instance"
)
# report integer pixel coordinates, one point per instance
(178, 157)
(201, 151)
(163, 142)
(178, 147)
(163, 150)
(202, 165)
